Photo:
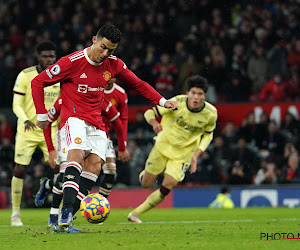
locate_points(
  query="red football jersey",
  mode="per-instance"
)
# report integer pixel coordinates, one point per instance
(82, 84)
(118, 97)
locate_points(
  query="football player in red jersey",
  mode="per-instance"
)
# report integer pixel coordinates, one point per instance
(112, 116)
(118, 98)
(83, 76)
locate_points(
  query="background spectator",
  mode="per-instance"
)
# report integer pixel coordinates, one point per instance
(267, 174)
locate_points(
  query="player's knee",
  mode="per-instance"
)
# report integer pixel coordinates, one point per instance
(146, 183)
(76, 155)
(109, 168)
(20, 171)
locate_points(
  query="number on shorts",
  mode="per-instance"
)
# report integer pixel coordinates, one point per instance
(184, 167)
(110, 144)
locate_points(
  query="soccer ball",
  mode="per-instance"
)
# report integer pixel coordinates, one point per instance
(95, 208)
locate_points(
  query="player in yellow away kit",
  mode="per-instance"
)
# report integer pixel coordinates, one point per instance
(182, 136)
(29, 136)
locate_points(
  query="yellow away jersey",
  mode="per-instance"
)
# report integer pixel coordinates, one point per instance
(183, 129)
(23, 87)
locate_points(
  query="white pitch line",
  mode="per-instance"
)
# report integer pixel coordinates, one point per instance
(184, 222)
(206, 221)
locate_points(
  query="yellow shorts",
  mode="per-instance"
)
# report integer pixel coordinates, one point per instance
(26, 145)
(157, 163)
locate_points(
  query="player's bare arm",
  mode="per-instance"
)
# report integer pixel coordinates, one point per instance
(195, 157)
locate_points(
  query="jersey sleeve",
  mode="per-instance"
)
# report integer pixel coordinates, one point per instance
(160, 111)
(212, 123)
(120, 134)
(53, 74)
(47, 136)
(128, 77)
(208, 134)
(20, 86)
(112, 116)
(53, 114)
(123, 109)
(54, 111)
(19, 90)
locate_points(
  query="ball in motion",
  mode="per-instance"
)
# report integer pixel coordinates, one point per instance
(95, 208)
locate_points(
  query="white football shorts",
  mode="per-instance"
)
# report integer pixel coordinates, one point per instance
(81, 135)
(61, 146)
(110, 153)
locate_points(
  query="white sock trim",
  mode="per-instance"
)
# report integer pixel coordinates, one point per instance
(15, 212)
(54, 210)
(47, 186)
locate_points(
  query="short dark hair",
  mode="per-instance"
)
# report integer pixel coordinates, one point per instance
(197, 82)
(225, 190)
(46, 45)
(110, 32)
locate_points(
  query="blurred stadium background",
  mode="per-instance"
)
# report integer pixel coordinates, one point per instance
(248, 50)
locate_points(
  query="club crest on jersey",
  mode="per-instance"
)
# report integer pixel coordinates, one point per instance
(113, 101)
(55, 70)
(64, 150)
(106, 75)
(78, 140)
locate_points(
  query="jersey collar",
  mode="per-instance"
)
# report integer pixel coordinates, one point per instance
(110, 90)
(37, 69)
(89, 60)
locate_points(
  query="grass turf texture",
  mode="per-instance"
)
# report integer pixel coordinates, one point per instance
(163, 229)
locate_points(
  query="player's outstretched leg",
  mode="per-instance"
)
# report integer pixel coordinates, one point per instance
(109, 170)
(70, 190)
(87, 181)
(45, 186)
(152, 200)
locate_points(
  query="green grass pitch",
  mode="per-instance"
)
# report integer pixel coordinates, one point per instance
(188, 228)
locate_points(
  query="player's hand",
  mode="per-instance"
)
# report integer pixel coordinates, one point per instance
(171, 105)
(29, 125)
(123, 156)
(193, 167)
(42, 124)
(52, 159)
(157, 128)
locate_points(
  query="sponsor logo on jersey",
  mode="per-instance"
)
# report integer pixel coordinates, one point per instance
(84, 88)
(55, 70)
(106, 75)
(78, 140)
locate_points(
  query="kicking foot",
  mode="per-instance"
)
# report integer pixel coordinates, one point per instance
(66, 217)
(134, 218)
(66, 229)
